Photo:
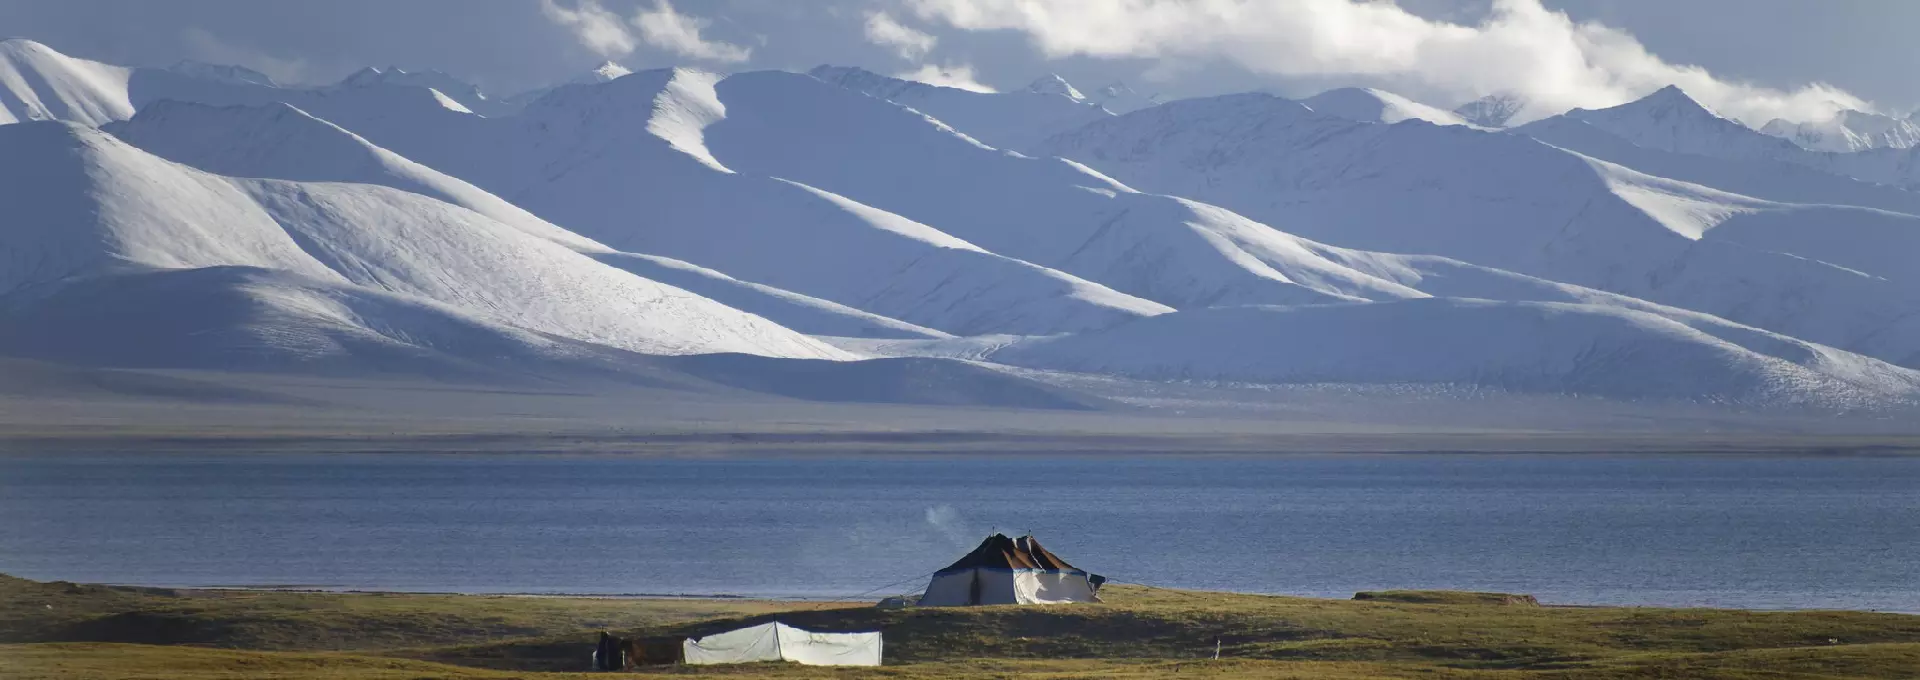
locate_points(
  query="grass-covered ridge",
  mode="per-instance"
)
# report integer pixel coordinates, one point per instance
(102, 632)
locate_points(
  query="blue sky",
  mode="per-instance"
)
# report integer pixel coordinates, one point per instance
(1860, 47)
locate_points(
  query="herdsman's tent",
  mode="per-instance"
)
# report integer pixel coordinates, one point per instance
(1010, 571)
(780, 642)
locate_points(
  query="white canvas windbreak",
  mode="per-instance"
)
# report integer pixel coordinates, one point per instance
(781, 642)
(985, 585)
(1035, 586)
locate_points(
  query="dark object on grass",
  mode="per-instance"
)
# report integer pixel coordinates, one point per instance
(1447, 597)
(610, 654)
(654, 651)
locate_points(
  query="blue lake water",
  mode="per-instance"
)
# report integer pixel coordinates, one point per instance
(1762, 532)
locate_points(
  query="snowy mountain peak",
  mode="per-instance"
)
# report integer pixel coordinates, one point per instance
(467, 95)
(1054, 84)
(1668, 102)
(363, 76)
(1849, 131)
(1004, 120)
(671, 105)
(399, 76)
(862, 80)
(605, 72)
(1494, 110)
(1669, 120)
(1369, 105)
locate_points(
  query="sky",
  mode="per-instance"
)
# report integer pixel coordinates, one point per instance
(1750, 59)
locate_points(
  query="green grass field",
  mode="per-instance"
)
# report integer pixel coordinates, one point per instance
(57, 630)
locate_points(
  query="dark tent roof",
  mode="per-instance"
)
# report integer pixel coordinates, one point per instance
(1000, 552)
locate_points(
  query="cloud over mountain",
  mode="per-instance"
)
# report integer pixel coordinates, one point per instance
(1556, 63)
(606, 33)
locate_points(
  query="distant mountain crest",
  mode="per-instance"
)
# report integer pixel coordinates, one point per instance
(467, 95)
(1495, 110)
(1849, 131)
(605, 72)
(1119, 97)
(239, 75)
(1369, 105)
(1054, 84)
(1671, 100)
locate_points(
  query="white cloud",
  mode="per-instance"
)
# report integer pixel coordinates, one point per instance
(1521, 46)
(910, 44)
(605, 33)
(680, 34)
(597, 28)
(950, 75)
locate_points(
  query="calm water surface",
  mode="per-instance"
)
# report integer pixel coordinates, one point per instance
(1764, 532)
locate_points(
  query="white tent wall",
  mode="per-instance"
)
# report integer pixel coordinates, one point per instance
(1007, 586)
(828, 649)
(781, 642)
(1033, 586)
(746, 645)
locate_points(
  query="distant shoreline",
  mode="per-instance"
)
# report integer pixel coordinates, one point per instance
(797, 599)
(977, 443)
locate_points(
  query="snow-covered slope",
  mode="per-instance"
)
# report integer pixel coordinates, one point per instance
(626, 163)
(1003, 120)
(280, 142)
(405, 222)
(1371, 105)
(1767, 179)
(1049, 212)
(38, 83)
(1496, 110)
(1521, 347)
(803, 313)
(1502, 201)
(251, 319)
(84, 203)
(1669, 120)
(261, 320)
(1849, 131)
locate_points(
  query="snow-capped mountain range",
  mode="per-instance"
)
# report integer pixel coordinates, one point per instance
(956, 246)
(1849, 131)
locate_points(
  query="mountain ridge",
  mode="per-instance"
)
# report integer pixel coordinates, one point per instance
(846, 236)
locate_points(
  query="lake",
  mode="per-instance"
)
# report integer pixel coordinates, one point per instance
(1725, 531)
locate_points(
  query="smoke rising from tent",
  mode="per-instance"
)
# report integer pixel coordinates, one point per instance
(947, 522)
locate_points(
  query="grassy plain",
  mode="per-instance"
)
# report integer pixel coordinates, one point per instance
(59, 630)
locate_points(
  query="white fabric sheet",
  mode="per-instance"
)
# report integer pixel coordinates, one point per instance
(1052, 587)
(781, 642)
(1008, 586)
